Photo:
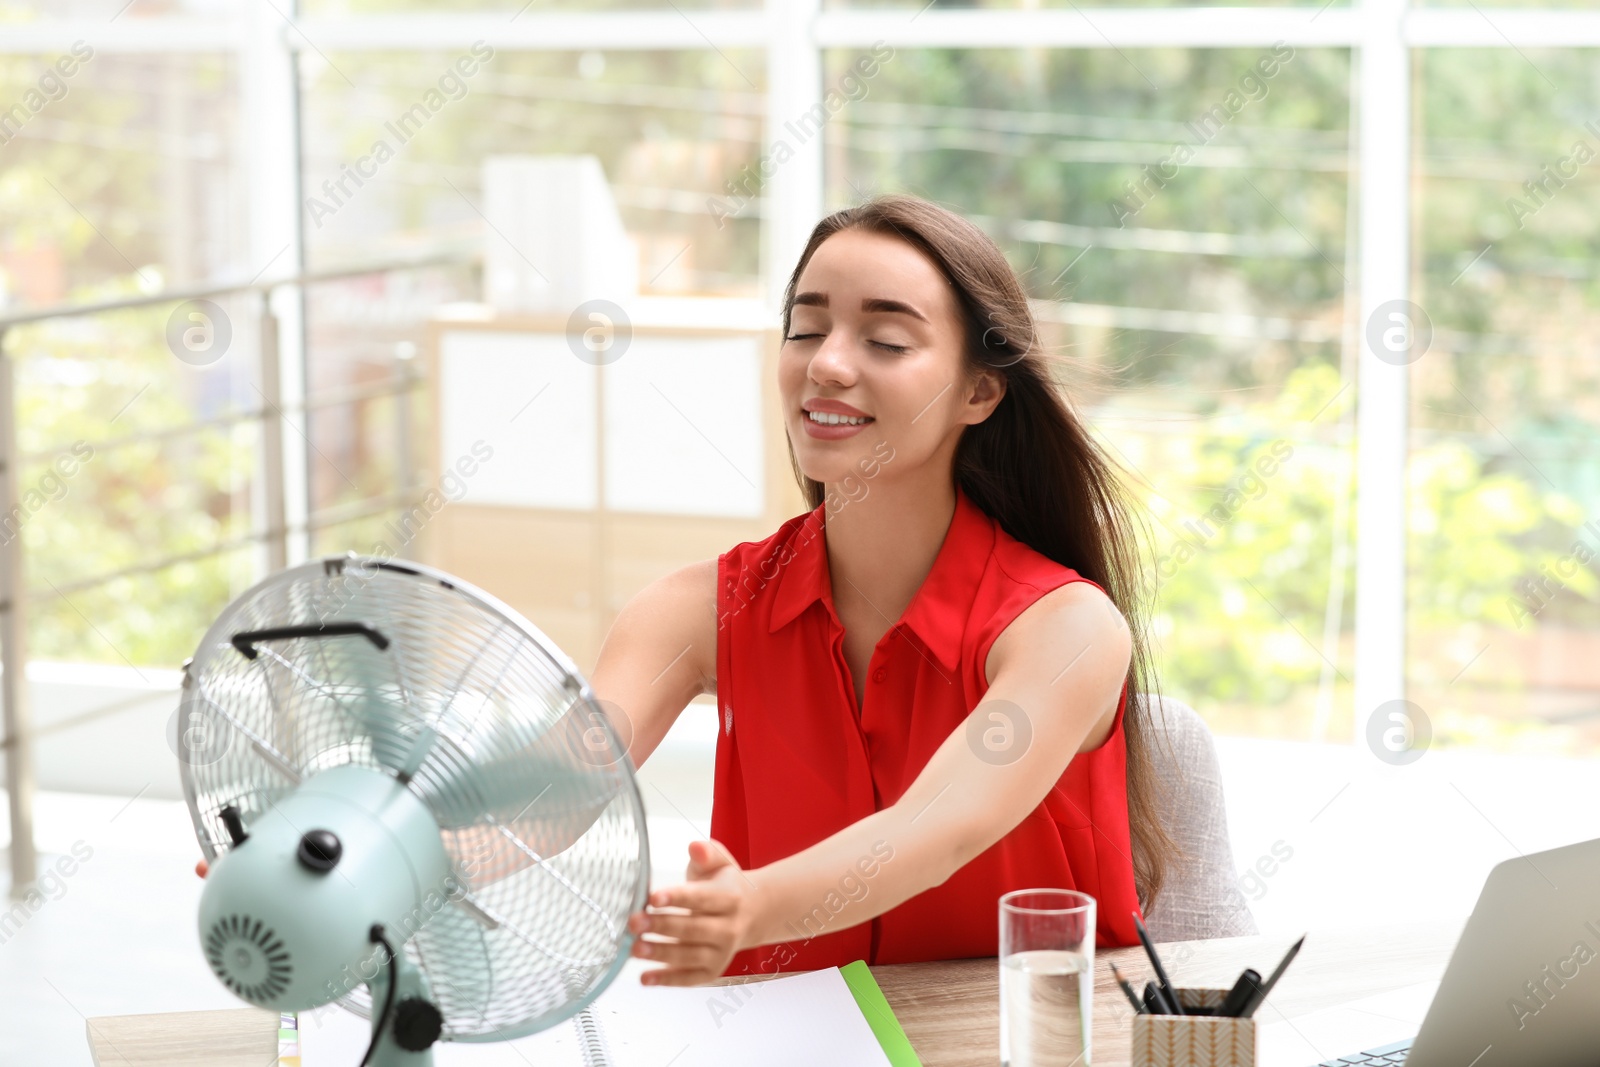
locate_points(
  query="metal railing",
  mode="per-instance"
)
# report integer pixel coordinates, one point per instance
(274, 532)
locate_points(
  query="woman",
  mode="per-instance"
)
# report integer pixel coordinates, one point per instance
(927, 685)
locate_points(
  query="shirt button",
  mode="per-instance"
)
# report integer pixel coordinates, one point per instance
(879, 675)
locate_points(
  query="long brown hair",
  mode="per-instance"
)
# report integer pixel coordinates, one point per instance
(1031, 465)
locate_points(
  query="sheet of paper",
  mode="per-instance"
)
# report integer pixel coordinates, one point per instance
(1370, 1022)
(802, 1020)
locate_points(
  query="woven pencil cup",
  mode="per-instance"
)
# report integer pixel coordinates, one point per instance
(1194, 1040)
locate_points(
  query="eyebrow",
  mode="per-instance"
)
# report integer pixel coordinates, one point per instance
(868, 304)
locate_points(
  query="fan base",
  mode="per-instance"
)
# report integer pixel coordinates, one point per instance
(403, 1028)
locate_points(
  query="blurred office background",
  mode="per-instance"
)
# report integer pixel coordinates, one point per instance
(1218, 212)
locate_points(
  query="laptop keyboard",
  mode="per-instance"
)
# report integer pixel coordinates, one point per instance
(1387, 1056)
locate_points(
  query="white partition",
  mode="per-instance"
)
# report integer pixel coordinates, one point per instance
(533, 402)
(682, 421)
(683, 426)
(540, 258)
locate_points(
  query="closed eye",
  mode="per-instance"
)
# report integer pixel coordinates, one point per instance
(897, 349)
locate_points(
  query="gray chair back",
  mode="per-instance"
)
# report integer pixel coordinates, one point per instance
(1200, 897)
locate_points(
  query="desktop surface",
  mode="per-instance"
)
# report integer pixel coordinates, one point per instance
(949, 1009)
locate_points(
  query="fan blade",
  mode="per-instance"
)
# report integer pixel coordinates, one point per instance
(548, 792)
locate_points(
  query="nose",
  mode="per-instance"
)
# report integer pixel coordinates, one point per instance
(833, 363)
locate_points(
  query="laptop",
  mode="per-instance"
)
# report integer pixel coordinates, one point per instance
(1522, 988)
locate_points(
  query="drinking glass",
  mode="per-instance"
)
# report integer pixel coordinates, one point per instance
(1046, 978)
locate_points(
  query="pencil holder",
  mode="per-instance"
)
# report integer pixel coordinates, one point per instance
(1194, 1040)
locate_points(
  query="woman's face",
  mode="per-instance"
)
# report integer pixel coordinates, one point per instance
(875, 334)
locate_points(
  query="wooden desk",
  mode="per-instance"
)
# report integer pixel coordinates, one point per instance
(950, 1010)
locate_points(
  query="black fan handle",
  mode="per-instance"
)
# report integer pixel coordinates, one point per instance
(246, 642)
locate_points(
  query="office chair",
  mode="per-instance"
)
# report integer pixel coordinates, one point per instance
(1200, 897)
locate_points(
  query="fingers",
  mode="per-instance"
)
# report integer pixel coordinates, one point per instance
(703, 923)
(202, 868)
(679, 976)
(700, 897)
(685, 964)
(700, 948)
(706, 857)
(688, 928)
(680, 955)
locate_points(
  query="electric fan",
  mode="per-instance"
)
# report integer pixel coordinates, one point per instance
(409, 798)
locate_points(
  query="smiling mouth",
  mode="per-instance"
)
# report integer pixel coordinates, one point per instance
(826, 418)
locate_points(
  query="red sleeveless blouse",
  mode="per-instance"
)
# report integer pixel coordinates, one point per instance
(797, 761)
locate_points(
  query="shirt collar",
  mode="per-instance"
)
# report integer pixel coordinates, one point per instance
(939, 610)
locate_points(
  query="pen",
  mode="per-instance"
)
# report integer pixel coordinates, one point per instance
(1240, 994)
(1163, 984)
(1272, 980)
(1138, 1008)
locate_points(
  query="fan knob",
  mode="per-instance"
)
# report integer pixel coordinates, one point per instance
(417, 1024)
(319, 850)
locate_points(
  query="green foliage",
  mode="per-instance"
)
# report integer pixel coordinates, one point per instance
(92, 383)
(1242, 592)
(1244, 533)
(1476, 535)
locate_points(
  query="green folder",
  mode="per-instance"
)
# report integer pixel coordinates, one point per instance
(870, 999)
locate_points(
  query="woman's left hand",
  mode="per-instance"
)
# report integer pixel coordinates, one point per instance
(707, 919)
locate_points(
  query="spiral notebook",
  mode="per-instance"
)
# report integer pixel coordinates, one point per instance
(836, 1016)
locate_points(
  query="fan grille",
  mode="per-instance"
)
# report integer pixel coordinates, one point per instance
(467, 697)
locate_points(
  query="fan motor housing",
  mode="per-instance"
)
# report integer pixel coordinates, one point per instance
(281, 933)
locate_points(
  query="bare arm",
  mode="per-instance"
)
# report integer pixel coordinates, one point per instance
(1056, 674)
(660, 653)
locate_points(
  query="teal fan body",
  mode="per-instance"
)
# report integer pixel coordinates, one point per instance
(411, 803)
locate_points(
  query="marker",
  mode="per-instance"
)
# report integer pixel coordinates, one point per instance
(1240, 994)
(1272, 980)
(1152, 1000)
